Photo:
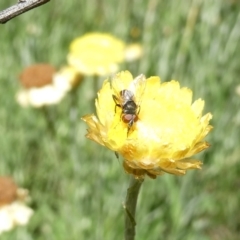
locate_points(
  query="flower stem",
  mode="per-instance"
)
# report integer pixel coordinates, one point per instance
(130, 207)
(49, 121)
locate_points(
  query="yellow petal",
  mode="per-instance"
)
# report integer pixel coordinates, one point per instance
(197, 107)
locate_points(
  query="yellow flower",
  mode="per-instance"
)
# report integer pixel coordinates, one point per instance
(100, 54)
(168, 129)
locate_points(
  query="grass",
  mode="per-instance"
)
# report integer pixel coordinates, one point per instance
(77, 187)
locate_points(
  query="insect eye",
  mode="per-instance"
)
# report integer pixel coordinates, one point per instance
(127, 117)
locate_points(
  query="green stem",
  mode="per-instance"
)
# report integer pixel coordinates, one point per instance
(130, 207)
(49, 121)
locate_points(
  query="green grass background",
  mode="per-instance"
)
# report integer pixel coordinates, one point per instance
(78, 187)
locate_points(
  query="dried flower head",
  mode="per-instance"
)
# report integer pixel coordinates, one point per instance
(37, 75)
(155, 126)
(8, 190)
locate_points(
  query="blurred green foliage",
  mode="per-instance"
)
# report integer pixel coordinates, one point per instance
(78, 187)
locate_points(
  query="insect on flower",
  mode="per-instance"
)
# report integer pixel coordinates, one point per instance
(128, 99)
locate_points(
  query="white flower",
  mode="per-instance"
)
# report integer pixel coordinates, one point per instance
(14, 214)
(46, 87)
(38, 97)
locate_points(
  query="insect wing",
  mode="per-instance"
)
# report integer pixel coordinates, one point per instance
(137, 87)
(118, 85)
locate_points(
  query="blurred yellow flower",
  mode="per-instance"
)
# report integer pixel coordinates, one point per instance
(161, 135)
(13, 210)
(43, 85)
(100, 54)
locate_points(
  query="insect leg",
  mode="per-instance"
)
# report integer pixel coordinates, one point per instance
(139, 107)
(115, 99)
